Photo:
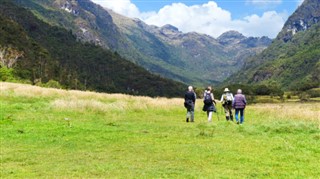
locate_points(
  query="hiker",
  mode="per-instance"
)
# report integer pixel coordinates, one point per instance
(239, 104)
(189, 102)
(208, 100)
(226, 101)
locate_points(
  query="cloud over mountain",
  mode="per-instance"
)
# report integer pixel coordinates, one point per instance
(206, 18)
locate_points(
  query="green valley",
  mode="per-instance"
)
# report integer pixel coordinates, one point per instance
(53, 53)
(50, 133)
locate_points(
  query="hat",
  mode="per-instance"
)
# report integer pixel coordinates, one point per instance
(226, 90)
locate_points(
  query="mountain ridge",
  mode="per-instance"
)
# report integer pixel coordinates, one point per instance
(192, 58)
(292, 61)
(53, 53)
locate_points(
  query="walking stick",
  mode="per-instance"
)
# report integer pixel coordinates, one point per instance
(217, 112)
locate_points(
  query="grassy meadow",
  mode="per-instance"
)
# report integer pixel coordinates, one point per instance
(51, 133)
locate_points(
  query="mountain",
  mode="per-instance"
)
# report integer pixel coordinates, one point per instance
(292, 61)
(33, 49)
(187, 57)
(198, 58)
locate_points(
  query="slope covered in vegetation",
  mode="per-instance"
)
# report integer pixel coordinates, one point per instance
(52, 53)
(292, 61)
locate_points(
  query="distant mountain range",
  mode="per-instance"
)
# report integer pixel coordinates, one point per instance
(84, 46)
(292, 61)
(191, 58)
(40, 52)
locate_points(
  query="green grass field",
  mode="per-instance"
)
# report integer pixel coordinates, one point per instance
(49, 133)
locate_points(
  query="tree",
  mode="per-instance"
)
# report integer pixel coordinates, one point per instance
(9, 56)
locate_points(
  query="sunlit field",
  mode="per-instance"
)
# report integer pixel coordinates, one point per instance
(51, 133)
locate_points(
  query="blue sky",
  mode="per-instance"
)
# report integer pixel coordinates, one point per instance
(250, 17)
(238, 8)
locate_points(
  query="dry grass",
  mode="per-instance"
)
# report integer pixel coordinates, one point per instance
(84, 100)
(81, 100)
(289, 111)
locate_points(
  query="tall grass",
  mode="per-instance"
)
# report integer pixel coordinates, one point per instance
(51, 133)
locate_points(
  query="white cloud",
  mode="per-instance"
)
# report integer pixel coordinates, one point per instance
(269, 24)
(264, 3)
(206, 18)
(210, 19)
(124, 7)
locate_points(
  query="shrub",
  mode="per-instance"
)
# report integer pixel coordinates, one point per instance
(6, 74)
(53, 84)
(314, 93)
(288, 96)
(304, 96)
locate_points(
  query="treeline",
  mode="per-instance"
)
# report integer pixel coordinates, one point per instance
(250, 90)
(54, 54)
(255, 92)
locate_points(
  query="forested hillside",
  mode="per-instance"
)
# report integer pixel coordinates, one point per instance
(292, 61)
(40, 52)
(191, 58)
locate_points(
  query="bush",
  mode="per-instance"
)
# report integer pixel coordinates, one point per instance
(304, 96)
(6, 74)
(53, 84)
(262, 90)
(314, 93)
(289, 96)
(50, 84)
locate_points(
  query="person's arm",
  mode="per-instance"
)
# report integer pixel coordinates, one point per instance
(244, 99)
(231, 96)
(221, 98)
(233, 102)
(212, 97)
(194, 97)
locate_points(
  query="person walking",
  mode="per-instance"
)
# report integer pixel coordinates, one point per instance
(226, 101)
(208, 100)
(239, 104)
(189, 102)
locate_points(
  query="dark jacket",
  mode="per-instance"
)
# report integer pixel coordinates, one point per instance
(239, 101)
(189, 100)
(190, 96)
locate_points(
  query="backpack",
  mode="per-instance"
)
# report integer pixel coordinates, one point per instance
(207, 99)
(227, 98)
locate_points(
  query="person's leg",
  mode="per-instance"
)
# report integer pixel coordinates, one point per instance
(230, 112)
(192, 115)
(237, 112)
(226, 111)
(188, 116)
(241, 116)
(210, 116)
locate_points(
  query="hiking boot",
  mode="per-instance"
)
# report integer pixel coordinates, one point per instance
(231, 118)
(238, 122)
(227, 118)
(187, 120)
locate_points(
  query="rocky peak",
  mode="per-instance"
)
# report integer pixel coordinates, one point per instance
(230, 37)
(169, 31)
(302, 19)
(256, 41)
(169, 27)
(69, 6)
